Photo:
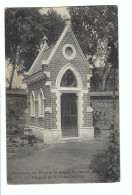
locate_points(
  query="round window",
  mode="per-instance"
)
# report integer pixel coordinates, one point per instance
(69, 51)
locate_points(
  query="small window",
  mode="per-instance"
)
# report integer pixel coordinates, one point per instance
(68, 79)
(32, 106)
(41, 103)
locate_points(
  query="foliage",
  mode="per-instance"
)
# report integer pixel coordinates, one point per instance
(15, 112)
(24, 30)
(113, 169)
(96, 28)
(32, 139)
(92, 24)
(96, 117)
(54, 24)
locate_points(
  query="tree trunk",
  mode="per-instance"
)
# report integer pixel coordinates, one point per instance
(13, 70)
(105, 78)
(108, 77)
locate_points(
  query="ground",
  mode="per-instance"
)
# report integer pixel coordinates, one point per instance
(69, 162)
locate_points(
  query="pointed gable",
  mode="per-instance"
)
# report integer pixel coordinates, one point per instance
(47, 53)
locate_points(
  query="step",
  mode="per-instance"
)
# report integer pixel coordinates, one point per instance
(70, 139)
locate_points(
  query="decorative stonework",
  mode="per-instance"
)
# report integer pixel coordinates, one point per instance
(88, 85)
(89, 109)
(47, 73)
(69, 51)
(48, 83)
(48, 109)
(89, 76)
(35, 78)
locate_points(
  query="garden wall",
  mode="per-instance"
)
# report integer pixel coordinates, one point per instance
(16, 104)
(101, 102)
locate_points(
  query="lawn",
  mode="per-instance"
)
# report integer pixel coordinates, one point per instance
(70, 162)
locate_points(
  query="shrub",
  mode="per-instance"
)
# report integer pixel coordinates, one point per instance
(32, 139)
(97, 131)
(96, 118)
(113, 152)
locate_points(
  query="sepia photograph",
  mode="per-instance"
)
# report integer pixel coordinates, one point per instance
(62, 95)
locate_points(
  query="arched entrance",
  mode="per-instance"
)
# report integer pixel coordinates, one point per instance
(69, 101)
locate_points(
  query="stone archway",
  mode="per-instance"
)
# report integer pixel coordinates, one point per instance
(77, 90)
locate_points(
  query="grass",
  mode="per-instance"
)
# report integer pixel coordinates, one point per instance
(73, 162)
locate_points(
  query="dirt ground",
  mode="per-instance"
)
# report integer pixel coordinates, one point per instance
(70, 162)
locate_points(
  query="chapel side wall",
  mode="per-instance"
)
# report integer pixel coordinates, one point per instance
(37, 121)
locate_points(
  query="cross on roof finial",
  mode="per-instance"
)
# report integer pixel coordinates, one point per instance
(68, 22)
(45, 39)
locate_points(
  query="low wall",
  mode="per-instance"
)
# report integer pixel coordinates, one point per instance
(102, 104)
(16, 104)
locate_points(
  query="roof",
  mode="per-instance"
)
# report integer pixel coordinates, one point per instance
(44, 56)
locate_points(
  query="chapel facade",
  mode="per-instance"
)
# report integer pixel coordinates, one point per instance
(58, 92)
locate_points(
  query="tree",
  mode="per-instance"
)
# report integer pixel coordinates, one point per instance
(54, 25)
(96, 28)
(24, 31)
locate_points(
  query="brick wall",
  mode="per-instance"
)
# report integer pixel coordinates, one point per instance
(102, 104)
(16, 104)
(36, 120)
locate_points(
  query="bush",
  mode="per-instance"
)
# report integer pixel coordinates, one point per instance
(96, 118)
(32, 139)
(97, 131)
(113, 169)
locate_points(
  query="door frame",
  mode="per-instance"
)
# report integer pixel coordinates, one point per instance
(76, 113)
(78, 90)
(79, 108)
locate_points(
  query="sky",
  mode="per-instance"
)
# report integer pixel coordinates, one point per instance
(61, 10)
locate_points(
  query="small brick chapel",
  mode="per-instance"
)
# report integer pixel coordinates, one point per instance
(58, 85)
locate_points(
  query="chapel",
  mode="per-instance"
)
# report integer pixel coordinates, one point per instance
(58, 85)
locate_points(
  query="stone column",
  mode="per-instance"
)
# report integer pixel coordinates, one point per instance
(58, 109)
(80, 112)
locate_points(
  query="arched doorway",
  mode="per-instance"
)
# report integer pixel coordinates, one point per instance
(69, 92)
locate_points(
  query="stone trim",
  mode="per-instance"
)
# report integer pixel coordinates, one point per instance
(89, 76)
(39, 109)
(78, 90)
(88, 85)
(48, 109)
(34, 78)
(89, 109)
(47, 73)
(48, 83)
(76, 73)
(72, 55)
(36, 60)
(32, 95)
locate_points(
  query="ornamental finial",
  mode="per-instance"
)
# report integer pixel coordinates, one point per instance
(68, 22)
